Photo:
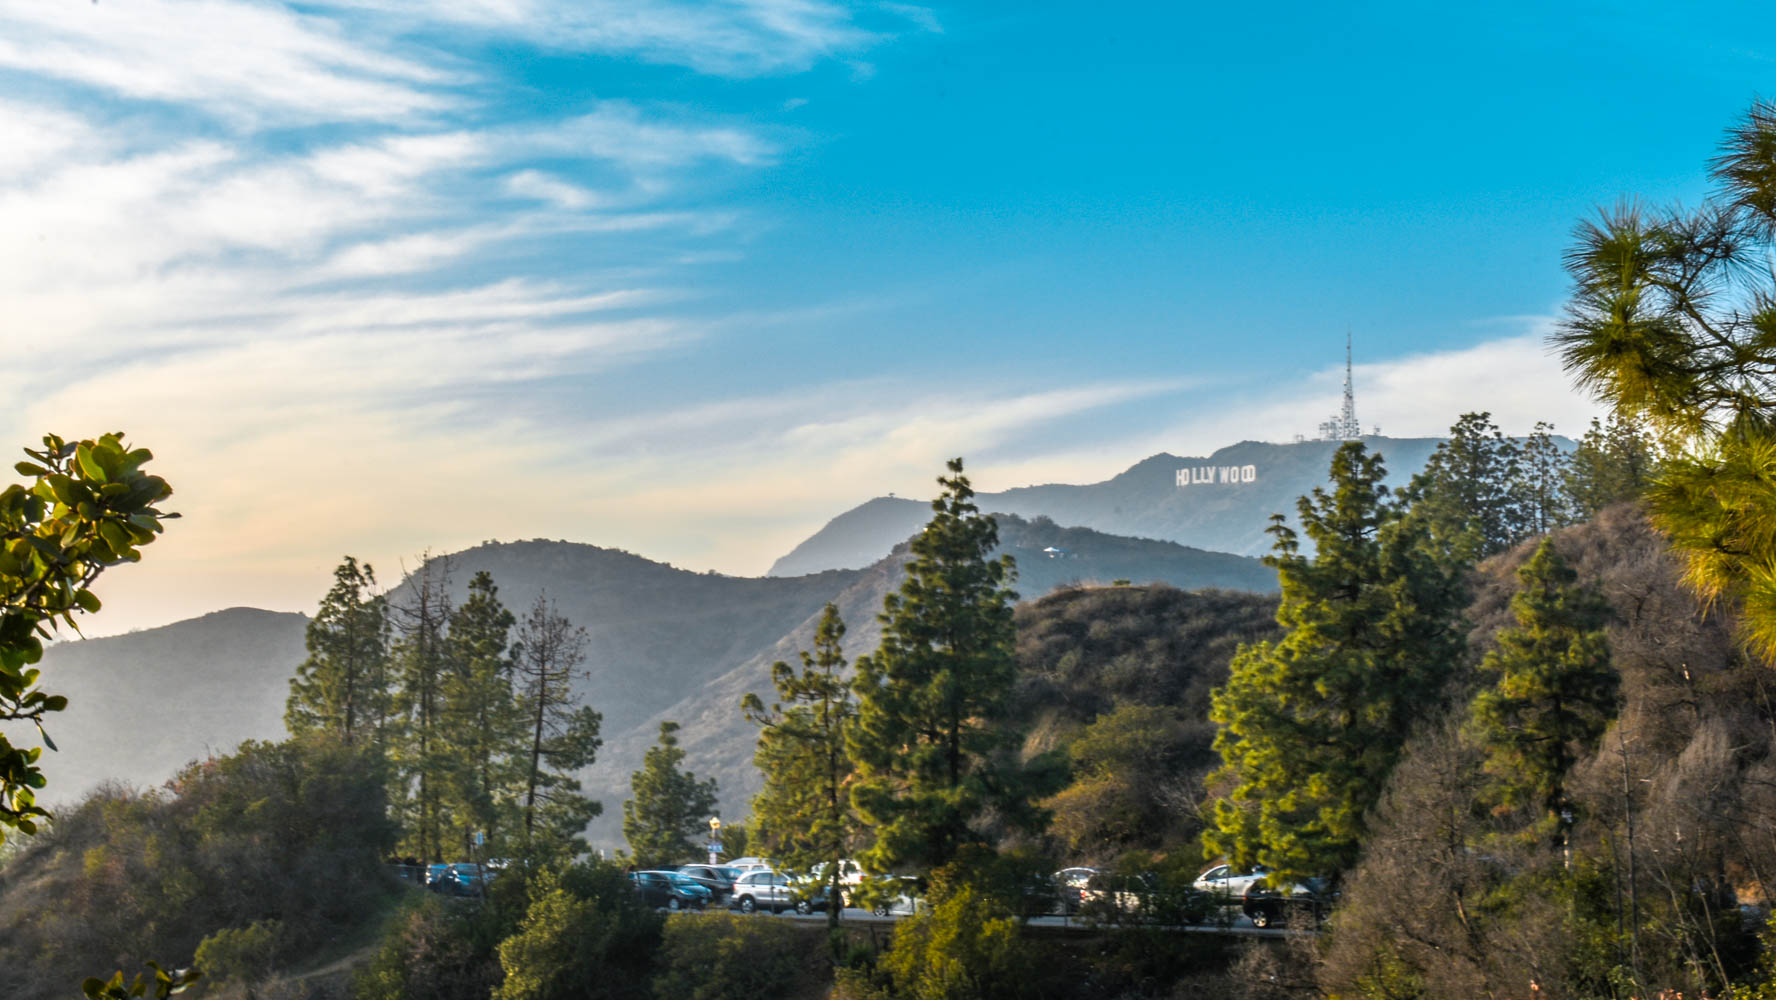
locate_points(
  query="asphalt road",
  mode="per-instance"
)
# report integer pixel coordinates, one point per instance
(1237, 923)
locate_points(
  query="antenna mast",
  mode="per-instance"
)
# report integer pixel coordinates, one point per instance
(1348, 428)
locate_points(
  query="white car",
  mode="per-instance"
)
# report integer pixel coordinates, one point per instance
(1226, 882)
(850, 873)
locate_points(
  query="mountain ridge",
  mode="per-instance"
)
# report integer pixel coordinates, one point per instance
(1145, 500)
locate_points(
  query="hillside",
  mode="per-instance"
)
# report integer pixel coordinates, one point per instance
(142, 705)
(662, 643)
(1143, 502)
(720, 742)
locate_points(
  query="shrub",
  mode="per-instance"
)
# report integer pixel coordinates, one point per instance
(584, 935)
(720, 956)
(244, 955)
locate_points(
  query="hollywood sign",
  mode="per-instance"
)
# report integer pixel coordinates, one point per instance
(1210, 474)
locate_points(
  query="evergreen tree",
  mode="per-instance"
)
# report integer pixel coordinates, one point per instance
(1547, 469)
(420, 753)
(1615, 461)
(342, 688)
(931, 763)
(561, 735)
(1652, 332)
(670, 812)
(803, 813)
(1311, 725)
(1470, 494)
(484, 724)
(1554, 694)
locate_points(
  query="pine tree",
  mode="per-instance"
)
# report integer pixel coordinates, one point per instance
(803, 813)
(483, 722)
(560, 734)
(1670, 323)
(1311, 725)
(1469, 493)
(670, 809)
(1546, 468)
(342, 688)
(1615, 461)
(931, 763)
(1555, 692)
(421, 661)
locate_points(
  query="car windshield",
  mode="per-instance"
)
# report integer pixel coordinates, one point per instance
(728, 873)
(679, 878)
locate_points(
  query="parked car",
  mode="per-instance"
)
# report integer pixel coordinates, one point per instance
(1144, 897)
(750, 864)
(1230, 883)
(1070, 886)
(762, 890)
(672, 890)
(1305, 903)
(888, 895)
(850, 872)
(718, 879)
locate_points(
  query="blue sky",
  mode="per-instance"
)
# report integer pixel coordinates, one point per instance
(373, 276)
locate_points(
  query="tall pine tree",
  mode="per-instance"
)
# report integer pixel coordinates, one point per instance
(1311, 725)
(1554, 693)
(421, 662)
(342, 688)
(803, 814)
(931, 763)
(559, 734)
(483, 723)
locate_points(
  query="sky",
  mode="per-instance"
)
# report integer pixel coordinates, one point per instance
(689, 279)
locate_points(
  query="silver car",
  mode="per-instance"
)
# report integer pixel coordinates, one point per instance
(1226, 882)
(762, 890)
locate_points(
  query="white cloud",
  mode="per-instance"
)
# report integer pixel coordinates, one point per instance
(247, 62)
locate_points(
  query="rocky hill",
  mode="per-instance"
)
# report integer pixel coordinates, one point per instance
(1221, 502)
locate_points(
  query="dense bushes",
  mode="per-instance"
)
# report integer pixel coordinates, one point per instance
(285, 837)
(719, 956)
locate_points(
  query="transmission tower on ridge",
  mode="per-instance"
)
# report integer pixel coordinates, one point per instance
(1344, 427)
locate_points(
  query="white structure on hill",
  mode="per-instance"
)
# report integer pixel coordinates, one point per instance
(1344, 427)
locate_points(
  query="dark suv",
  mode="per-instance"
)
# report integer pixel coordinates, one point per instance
(1304, 905)
(717, 879)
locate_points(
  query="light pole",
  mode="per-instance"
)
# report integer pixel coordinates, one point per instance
(715, 828)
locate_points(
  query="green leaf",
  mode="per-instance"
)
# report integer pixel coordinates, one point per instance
(29, 469)
(89, 463)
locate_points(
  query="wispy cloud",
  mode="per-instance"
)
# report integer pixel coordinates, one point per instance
(732, 38)
(245, 62)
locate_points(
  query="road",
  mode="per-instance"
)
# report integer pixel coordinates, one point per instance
(1237, 923)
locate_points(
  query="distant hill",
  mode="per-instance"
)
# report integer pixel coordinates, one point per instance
(142, 705)
(662, 643)
(1143, 502)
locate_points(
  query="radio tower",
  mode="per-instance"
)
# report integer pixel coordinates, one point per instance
(1344, 427)
(1348, 429)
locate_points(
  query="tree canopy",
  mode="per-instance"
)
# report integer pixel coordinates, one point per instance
(1672, 321)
